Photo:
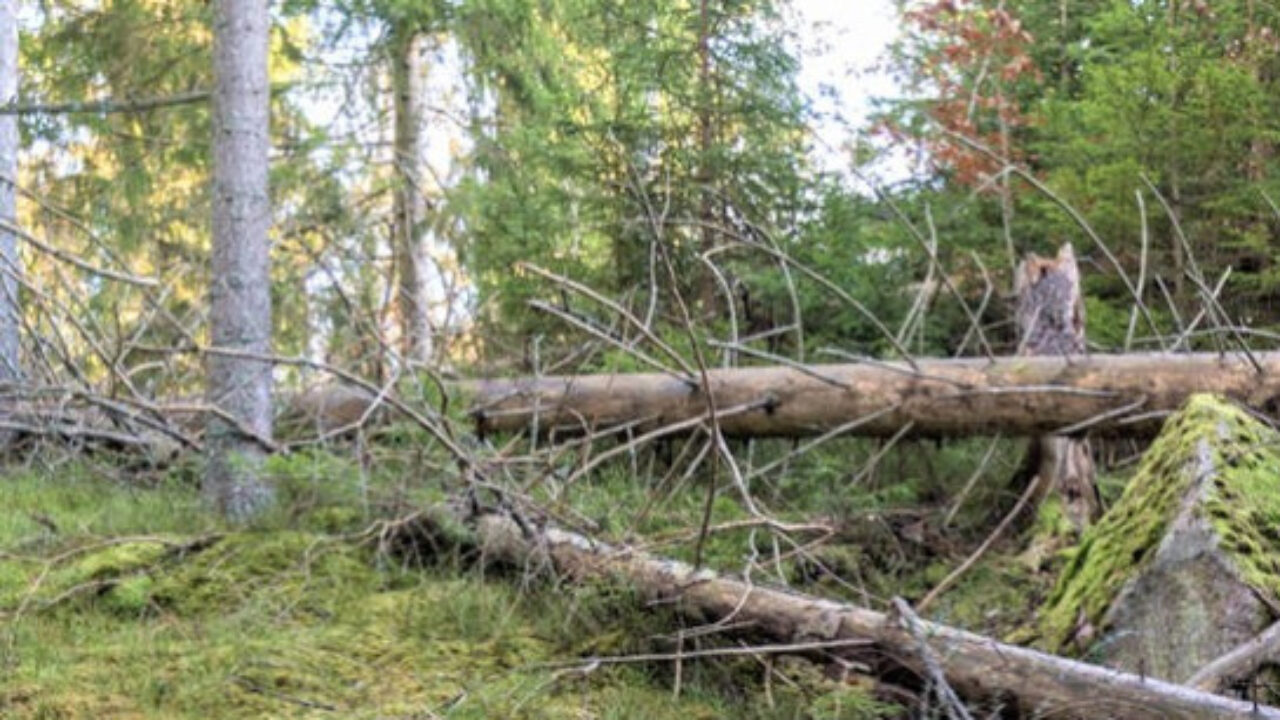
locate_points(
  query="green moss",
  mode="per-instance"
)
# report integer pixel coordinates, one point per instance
(1242, 503)
(283, 569)
(40, 512)
(296, 623)
(107, 570)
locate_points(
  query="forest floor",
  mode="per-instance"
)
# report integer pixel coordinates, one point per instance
(127, 599)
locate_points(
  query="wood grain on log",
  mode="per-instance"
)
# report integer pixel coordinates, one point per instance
(1109, 395)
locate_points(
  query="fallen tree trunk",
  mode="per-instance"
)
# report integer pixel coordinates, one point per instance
(979, 667)
(1104, 394)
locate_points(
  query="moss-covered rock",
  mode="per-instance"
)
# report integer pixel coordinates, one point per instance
(1183, 567)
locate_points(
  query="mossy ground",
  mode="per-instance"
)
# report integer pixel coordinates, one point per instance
(119, 602)
(1242, 503)
(124, 598)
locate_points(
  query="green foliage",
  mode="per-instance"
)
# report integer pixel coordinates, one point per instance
(1186, 99)
(1108, 96)
(611, 141)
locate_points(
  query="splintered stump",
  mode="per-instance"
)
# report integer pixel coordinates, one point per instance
(1051, 322)
(1185, 568)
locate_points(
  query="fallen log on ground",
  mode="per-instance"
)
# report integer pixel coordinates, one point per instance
(1038, 684)
(1125, 395)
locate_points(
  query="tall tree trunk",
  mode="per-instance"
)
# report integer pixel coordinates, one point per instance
(707, 215)
(10, 369)
(240, 288)
(1172, 171)
(411, 227)
(1051, 322)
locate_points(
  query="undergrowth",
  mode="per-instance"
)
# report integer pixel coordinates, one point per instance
(118, 601)
(121, 596)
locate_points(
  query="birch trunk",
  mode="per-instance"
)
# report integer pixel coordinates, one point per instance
(411, 226)
(240, 287)
(10, 368)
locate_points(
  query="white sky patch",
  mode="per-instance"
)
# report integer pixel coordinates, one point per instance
(843, 48)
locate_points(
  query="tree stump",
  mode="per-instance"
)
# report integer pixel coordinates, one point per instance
(1051, 322)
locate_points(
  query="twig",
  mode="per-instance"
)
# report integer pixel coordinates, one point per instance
(1211, 299)
(835, 289)
(581, 289)
(955, 708)
(950, 579)
(255, 687)
(972, 481)
(772, 649)
(931, 250)
(608, 337)
(73, 260)
(1145, 237)
(108, 105)
(1240, 662)
(661, 432)
(114, 105)
(1102, 417)
(1071, 212)
(824, 437)
(799, 367)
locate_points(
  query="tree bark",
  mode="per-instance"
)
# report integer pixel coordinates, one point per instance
(411, 226)
(10, 325)
(707, 215)
(1107, 395)
(240, 287)
(977, 666)
(1051, 322)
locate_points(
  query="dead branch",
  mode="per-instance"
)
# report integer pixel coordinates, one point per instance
(1242, 662)
(976, 666)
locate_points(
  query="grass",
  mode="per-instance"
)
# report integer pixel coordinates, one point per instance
(124, 602)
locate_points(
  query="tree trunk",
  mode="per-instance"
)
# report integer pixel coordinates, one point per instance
(1107, 395)
(1051, 322)
(10, 362)
(240, 287)
(707, 215)
(1116, 395)
(979, 667)
(414, 261)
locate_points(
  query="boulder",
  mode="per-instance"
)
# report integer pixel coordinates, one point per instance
(1186, 565)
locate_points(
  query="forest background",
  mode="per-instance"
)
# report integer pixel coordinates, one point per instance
(511, 187)
(579, 137)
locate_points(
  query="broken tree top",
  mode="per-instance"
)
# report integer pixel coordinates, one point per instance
(1099, 394)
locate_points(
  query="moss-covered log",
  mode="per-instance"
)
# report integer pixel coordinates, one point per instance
(1105, 394)
(977, 666)
(1186, 566)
